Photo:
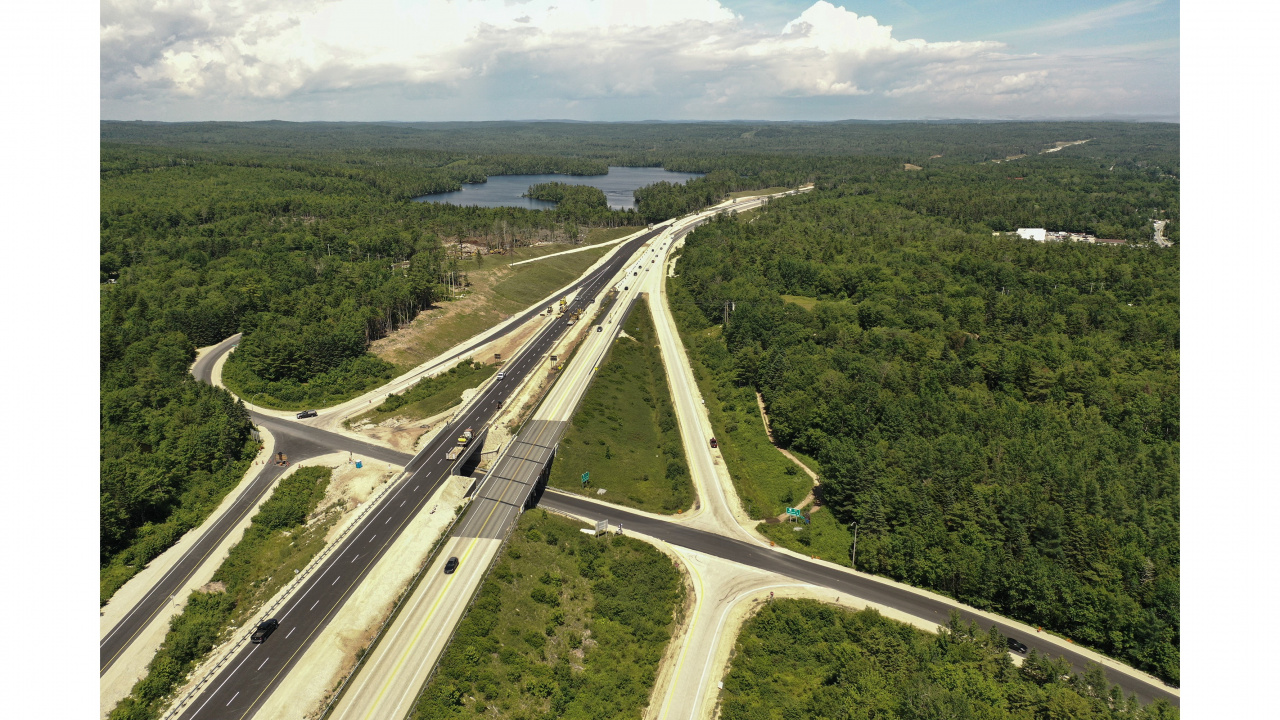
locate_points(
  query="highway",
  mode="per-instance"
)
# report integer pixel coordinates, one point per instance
(243, 683)
(387, 684)
(392, 676)
(300, 441)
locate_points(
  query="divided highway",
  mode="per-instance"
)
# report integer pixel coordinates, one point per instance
(300, 441)
(244, 682)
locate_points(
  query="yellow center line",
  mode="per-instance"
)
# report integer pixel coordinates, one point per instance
(558, 406)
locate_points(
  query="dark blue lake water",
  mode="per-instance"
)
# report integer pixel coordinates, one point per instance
(505, 190)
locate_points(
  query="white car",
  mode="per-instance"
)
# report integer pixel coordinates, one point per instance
(502, 375)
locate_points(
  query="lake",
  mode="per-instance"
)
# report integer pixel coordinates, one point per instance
(505, 190)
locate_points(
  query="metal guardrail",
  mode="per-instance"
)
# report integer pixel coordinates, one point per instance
(395, 611)
(306, 573)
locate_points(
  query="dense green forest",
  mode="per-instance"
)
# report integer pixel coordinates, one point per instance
(999, 416)
(298, 236)
(566, 626)
(303, 255)
(801, 658)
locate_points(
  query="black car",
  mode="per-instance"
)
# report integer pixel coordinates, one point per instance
(1016, 646)
(450, 566)
(265, 628)
(306, 414)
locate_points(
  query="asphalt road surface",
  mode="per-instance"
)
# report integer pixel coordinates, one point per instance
(299, 442)
(243, 684)
(825, 576)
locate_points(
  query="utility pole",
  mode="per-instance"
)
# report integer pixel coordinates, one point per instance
(853, 551)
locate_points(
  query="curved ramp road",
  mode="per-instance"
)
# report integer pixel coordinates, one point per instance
(300, 441)
(240, 687)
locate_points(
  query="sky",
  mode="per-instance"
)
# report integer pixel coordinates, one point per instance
(630, 60)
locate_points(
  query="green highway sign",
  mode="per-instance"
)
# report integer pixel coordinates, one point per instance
(585, 476)
(794, 512)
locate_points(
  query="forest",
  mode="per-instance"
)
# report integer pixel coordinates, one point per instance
(802, 658)
(1000, 417)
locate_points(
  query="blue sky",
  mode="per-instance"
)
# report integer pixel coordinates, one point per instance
(637, 59)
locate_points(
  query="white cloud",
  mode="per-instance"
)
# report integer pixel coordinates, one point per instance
(678, 57)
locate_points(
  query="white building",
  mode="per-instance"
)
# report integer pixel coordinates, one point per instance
(1037, 234)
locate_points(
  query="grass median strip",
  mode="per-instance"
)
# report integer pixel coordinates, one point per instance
(625, 433)
(802, 658)
(282, 537)
(567, 625)
(430, 395)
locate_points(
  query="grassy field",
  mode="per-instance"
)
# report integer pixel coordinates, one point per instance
(566, 626)
(599, 235)
(625, 433)
(802, 658)
(429, 395)
(805, 302)
(277, 542)
(497, 292)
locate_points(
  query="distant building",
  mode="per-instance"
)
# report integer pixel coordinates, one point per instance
(1037, 234)
(1109, 241)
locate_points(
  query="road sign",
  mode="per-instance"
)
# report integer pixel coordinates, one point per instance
(585, 477)
(602, 526)
(794, 512)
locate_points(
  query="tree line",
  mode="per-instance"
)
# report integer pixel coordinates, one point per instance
(999, 416)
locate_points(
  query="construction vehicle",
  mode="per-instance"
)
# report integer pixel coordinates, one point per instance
(453, 453)
(466, 438)
(282, 459)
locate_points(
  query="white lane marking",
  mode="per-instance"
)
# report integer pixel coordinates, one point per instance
(354, 558)
(371, 539)
(264, 662)
(415, 488)
(295, 627)
(224, 682)
(233, 698)
(313, 606)
(384, 522)
(401, 503)
(335, 581)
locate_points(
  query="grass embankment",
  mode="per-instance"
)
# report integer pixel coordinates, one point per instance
(430, 395)
(567, 626)
(766, 481)
(754, 193)
(599, 235)
(497, 291)
(278, 541)
(625, 433)
(801, 658)
(805, 302)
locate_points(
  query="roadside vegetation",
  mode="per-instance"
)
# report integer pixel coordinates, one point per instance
(567, 625)
(1000, 417)
(492, 291)
(625, 432)
(282, 537)
(802, 658)
(766, 481)
(429, 395)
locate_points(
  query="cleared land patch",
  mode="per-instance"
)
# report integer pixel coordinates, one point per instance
(495, 293)
(803, 658)
(567, 625)
(625, 433)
